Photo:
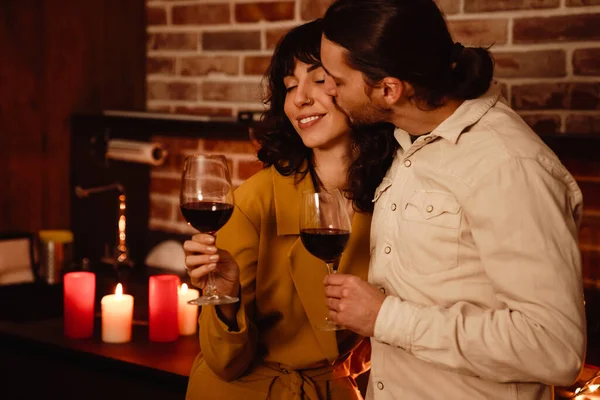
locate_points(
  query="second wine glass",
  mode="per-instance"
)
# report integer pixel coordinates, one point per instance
(206, 202)
(325, 230)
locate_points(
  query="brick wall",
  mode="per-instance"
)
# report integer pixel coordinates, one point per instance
(206, 57)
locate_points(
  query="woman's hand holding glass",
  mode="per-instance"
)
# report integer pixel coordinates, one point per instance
(203, 257)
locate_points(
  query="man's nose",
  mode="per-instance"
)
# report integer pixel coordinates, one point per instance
(330, 86)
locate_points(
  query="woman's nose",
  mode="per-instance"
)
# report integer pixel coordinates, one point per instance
(302, 98)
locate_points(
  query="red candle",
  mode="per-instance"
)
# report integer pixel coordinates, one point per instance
(162, 307)
(79, 292)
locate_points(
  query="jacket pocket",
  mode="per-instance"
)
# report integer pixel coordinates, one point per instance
(430, 230)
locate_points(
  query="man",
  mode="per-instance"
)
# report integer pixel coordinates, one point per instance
(475, 287)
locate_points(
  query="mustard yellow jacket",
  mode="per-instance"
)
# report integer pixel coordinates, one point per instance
(278, 353)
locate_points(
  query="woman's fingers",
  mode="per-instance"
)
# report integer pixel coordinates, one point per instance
(191, 246)
(200, 272)
(194, 261)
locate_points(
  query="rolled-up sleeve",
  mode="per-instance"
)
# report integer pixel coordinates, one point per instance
(229, 353)
(524, 222)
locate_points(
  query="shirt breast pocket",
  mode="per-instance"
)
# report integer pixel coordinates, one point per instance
(430, 230)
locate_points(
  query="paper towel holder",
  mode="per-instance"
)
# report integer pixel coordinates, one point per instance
(104, 148)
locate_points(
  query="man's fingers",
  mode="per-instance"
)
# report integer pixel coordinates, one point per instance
(337, 279)
(333, 291)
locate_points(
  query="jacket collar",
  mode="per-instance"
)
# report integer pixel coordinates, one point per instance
(288, 194)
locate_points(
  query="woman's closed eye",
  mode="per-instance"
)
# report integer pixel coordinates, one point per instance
(290, 88)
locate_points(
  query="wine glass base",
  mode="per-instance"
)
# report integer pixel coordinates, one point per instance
(215, 300)
(330, 326)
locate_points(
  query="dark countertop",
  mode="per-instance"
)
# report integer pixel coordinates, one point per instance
(170, 361)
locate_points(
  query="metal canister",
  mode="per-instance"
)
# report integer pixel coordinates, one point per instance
(55, 254)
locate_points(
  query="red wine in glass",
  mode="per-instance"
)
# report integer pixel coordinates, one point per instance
(206, 202)
(325, 230)
(206, 216)
(325, 243)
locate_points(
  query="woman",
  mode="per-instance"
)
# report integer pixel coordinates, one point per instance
(267, 345)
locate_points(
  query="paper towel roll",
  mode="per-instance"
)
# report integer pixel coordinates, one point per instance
(137, 152)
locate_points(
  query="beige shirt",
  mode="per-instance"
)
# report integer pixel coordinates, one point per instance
(474, 239)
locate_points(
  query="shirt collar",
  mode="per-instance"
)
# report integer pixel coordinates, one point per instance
(467, 114)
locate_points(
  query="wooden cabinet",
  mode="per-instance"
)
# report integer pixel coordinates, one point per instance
(59, 57)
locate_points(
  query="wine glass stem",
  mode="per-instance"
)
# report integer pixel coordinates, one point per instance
(331, 268)
(210, 289)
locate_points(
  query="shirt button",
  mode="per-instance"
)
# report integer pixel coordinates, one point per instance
(407, 163)
(387, 250)
(380, 385)
(428, 139)
(382, 290)
(393, 206)
(429, 208)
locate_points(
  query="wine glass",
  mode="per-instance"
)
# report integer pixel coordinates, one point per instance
(324, 230)
(206, 203)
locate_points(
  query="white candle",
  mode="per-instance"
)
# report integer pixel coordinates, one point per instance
(117, 316)
(187, 313)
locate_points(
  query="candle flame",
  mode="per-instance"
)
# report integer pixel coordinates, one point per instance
(593, 388)
(119, 290)
(184, 288)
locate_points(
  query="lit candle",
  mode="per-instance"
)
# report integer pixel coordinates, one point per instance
(162, 308)
(79, 292)
(187, 313)
(117, 316)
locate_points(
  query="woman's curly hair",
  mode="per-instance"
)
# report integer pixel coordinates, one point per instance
(373, 148)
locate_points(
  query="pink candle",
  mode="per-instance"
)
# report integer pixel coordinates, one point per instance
(162, 307)
(79, 292)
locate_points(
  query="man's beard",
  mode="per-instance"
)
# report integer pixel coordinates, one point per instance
(367, 114)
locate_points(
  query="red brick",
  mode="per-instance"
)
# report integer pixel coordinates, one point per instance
(248, 168)
(578, 3)
(586, 62)
(256, 65)
(540, 96)
(557, 28)
(228, 146)
(233, 40)
(590, 263)
(156, 16)
(591, 194)
(589, 232)
(476, 6)
(273, 36)
(205, 111)
(161, 108)
(161, 209)
(543, 124)
(483, 32)
(165, 186)
(312, 9)
(201, 14)
(583, 124)
(232, 91)
(582, 168)
(172, 91)
(204, 65)
(255, 12)
(585, 96)
(448, 6)
(172, 41)
(160, 65)
(525, 64)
